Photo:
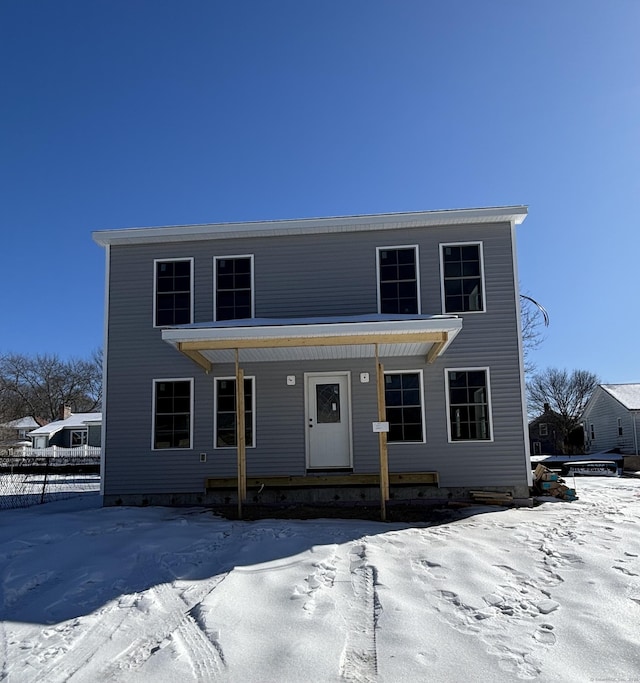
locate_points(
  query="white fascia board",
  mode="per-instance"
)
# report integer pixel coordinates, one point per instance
(390, 221)
(450, 325)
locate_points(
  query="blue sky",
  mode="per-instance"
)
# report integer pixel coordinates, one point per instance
(121, 113)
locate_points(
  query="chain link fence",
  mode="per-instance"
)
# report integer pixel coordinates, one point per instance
(28, 479)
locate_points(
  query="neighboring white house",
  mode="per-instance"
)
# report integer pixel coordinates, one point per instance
(78, 429)
(17, 431)
(611, 419)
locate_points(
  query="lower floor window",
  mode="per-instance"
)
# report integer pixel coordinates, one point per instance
(403, 400)
(78, 437)
(172, 413)
(226, 412)
(468, 399)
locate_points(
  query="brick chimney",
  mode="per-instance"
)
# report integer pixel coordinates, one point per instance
(64, 412)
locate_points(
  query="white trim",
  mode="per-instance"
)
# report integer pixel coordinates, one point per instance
(389, 221)
(546, 429)
(422, 405)
(84, 437)
(215, 411)
(523, 392)
(155, 285)
(307, 376)
(215, 278)
(105, 349)
(484, 287)
(416, 249)
(153, 413)
(489, 405)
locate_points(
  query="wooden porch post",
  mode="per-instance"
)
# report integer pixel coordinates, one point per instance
(382, 439)
(240, 437)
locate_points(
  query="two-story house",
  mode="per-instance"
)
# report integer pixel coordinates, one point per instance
(378, 356)
(611, 421)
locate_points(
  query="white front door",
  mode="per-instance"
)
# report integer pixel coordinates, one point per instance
(328, 420)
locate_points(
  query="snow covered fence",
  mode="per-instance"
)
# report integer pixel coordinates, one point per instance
(39, 478)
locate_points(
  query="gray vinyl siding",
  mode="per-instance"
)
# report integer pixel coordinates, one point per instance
(308, 275)
(603, 412)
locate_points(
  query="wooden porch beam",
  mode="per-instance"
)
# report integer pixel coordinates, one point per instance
(434, 351)
(382, 440)
(240, 437)
(197, 357)
(333, 340)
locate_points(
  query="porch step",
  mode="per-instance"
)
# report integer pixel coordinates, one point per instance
(310, 480)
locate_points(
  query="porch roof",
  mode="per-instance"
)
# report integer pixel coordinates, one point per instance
(317, 338)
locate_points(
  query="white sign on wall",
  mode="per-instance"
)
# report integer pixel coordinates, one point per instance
(380, 426)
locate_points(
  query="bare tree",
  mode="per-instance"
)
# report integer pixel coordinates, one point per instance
(565, 393)
(532, 317)
(37, 386)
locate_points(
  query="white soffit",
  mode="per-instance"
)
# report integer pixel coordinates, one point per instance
(389, 221)
(277, 342)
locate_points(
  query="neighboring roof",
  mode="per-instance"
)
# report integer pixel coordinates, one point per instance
(385, 221)
(21, 423)
(75, 420)
(266, 339)
(627, 394)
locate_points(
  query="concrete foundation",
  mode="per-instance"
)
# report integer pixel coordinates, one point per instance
(326, 495)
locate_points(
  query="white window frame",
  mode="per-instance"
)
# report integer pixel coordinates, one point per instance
(155, 285)
(443, 245)
(487, 372)
(84, 437)
(153, 413)
(541, 431)
(537, 448)
(223, 257)
(416, 249)
(215, 412)
(422, 406)
(620, 429)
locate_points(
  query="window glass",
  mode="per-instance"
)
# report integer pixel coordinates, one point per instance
(398, 286)
(226, 412)
(468, 405)
(173, 293)
(404, 407)
(234, 298)
(172, 419)
(462, 278)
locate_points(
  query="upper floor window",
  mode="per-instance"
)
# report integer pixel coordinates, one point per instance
(398, 282)
(543, 429)
(226, 412)
(462, 278)
(233, 277)
(468, 404)
(173, 292)
(172, 410)
(403, 400)
(619, 426)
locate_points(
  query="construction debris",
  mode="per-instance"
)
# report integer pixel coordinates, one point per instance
(548, 483)
(492, 497)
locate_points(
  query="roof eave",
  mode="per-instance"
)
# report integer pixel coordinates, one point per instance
(513, 214)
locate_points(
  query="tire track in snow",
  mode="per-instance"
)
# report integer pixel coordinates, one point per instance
(359, 661)
(83, 638)
(205, 655)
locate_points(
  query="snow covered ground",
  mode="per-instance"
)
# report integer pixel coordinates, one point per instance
(157, 594)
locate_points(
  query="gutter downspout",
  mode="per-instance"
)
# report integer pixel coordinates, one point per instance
(635, 431)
